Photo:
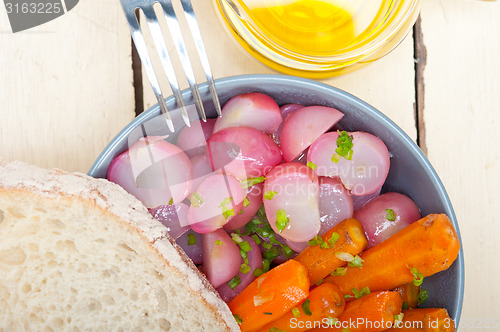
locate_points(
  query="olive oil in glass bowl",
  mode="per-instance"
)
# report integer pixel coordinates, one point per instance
(318, 38)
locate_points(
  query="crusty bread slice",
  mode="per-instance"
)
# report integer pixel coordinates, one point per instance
(78, 253)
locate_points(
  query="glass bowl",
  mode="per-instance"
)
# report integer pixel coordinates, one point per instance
(318, 38)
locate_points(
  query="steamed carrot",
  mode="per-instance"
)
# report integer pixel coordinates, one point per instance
(425, 320)
(319, 261)
(271, 295)
(409, 293)
(370, 313)
(324, 302)
(427, 246)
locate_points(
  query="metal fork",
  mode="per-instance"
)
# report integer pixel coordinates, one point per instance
(130, 7)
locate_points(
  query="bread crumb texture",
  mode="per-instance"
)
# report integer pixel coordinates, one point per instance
(80, 254)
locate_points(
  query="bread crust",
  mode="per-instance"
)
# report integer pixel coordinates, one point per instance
(112, 200)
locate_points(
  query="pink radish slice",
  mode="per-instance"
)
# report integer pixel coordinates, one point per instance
(255, 110)
(169, 216)
(154, 171)
(254, 261)
(243, 152)
(298, 247)
(304, 126)
(221, 257)
(285, 111)
(201, 170)
(217, 200)
(193, 251)
(193, 140)
(335, 203)
(254, 197)
(295, 191)
(375, 215)
(359, 201)
(367, 170)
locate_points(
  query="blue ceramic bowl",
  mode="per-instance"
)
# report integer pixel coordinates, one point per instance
(410, 172)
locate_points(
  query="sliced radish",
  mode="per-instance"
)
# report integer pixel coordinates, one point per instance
(364, 174)
(291, 201)
(190, 242)
(335, 203)
(250, 207)
(221, 257)
(193, 140)
(385, 215)
(359, 201)
(243, 152)
(304, 126)
(217, 200)
(174, 217)
(153, 170)
(254, 261)
(298, 247)
(285, 111)
(255, 110)
(201, 170)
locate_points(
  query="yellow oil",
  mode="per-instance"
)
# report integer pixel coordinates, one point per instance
(305, 26)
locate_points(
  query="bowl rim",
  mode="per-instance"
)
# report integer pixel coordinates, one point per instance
(342, 95)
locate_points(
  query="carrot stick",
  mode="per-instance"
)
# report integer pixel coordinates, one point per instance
(319, 261)
(427, 320)
(271, 295)
(427, 246)
(370, 313)
(409, 293)
(324, 302)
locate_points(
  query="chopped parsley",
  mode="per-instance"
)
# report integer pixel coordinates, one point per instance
(218, 242)
(281, 220)
(391, 216)
(305, 307)
(252, 181)
(196, 199)
(269, 195)
(423, 294)
(418, 277)
(360, 293)
(344, 147)
(311, 165)
(234, 282)
(246, 202)
(356, 262)
(191, 239)
(296, 312)
(340, 271)
(238, 318)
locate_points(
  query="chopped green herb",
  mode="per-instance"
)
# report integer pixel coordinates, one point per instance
(238, 318)
(418, 277)
(272, 253)
(391, 216)
(196, 199)
(360, 293)
(171, 201)
(268, 313)
(269, 195)
(318, 240)
(225, 202)
(228, 213)
(266, 264)
(245, 246)
(344, 256)
(340, 271)
(287, 251)
(405, 305)
(333, 239)
(296, 312)
(305, 307)
(252, 181)
(281, 220)
(398, 319)
(356, 262)
(315, 241)
(347, 296)
(236, 238)
(344, 145)
(423, 294)
(246, 202)
(311, 165)
(191, 239)
(332, 320)
(275, 329)
(245, 268)
(234, 282)
(218, 242)
(257, 239)
(319, 282)
(267, 245)
(257, 221)
(345, 330)
(257, 272)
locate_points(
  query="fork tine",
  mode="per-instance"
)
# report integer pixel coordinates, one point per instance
(180, 45)
(161, 47)
(146, 61)
(200, 47)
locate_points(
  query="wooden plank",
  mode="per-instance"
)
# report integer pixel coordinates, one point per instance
(228, 58)
(461, 115)
(72, 75)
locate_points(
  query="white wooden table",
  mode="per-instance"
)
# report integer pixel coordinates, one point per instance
(66, 88)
